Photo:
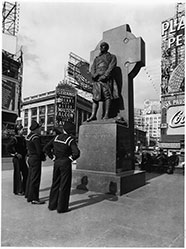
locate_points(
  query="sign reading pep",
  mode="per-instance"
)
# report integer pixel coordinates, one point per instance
(175, 30)
(175, 120)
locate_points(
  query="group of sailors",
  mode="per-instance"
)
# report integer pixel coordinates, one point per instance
(28, 155)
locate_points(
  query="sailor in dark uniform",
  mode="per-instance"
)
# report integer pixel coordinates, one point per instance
(62, 150)
(36, 156)
(17, 148)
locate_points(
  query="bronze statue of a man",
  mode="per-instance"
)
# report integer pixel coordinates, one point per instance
(104, 87)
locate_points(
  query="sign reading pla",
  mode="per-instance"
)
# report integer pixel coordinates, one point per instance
(171, 26)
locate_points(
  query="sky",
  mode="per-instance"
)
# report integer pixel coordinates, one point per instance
(50, 30)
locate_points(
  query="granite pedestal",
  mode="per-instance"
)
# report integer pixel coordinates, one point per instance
(106, 159)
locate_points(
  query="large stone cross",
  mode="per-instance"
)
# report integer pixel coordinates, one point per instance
(107, 146)
(130, 53)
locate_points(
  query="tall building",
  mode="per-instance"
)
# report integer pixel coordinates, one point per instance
(151, 124)
(149, 120)
(173, 80)
(138, 118)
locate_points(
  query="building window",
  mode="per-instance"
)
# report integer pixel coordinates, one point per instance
(50, 120)
(42, 121)
(42, 115)
(51, 109)
(34, 111)
(42, 110)
(26, 122)
(26, 113)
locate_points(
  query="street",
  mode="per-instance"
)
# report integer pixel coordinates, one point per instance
(151, 216)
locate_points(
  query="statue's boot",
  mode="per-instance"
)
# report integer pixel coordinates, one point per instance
(94, 112)
(107, 108)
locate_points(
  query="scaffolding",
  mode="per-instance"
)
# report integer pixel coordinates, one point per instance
(10, 18)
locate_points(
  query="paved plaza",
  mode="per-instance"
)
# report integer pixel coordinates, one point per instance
(151, 216)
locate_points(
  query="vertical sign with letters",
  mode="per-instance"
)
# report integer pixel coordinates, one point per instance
(65, 107)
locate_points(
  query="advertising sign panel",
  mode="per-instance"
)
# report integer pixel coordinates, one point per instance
(176, 120)
(65, 103)
(173, 55)
(173, 77)
(10, 94)
(78, 72)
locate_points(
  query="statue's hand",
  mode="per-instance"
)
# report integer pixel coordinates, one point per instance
(102, 78)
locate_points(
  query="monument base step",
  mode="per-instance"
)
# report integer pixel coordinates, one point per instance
(104, 182)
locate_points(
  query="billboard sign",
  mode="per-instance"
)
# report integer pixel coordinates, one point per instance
(173, 55)
(172, 100)
(176, 120)
(173, 76)
(175, 29)
(10, 95)
(65, 103)
(78, 73)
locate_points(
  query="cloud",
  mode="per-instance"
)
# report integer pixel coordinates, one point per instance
(49, 31)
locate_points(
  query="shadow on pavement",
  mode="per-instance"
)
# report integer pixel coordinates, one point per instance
(78, 191)
(93, 199)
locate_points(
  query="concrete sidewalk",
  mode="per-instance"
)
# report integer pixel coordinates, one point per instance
(151, 216)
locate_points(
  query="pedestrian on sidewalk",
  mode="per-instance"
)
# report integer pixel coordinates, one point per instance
(35, 158)
(17, 148)
(162, 160)
(62, 150)
(173, 161)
